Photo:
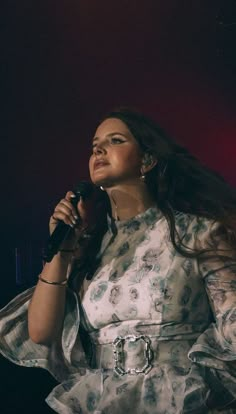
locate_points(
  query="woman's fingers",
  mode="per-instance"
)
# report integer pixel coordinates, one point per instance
(78, 215)
(65, 211)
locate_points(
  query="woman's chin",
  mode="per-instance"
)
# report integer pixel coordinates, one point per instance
(102, 182)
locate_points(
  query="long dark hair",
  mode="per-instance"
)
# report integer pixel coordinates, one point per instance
(180, 182)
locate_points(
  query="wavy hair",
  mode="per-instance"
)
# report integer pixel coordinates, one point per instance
(180, 182)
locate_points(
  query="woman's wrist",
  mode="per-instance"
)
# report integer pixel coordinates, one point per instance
(53, 283)
(64, 255)
(57, 270)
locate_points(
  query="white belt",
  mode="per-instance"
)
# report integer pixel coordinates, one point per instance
(138, 354)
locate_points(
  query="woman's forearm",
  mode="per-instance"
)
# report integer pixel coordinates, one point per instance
(47, 306)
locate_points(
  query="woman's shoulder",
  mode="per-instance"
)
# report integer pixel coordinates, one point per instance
(190, 226)
(183, 219)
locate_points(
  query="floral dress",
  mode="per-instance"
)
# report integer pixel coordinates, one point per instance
(153, 331)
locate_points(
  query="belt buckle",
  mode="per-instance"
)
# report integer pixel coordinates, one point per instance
(118, 354)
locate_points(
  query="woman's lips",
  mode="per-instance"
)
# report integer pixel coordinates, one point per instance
(100, 164)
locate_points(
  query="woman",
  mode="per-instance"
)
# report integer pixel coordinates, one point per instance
(148, 323)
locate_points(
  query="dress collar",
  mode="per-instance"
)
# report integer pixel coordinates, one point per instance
(149, 217)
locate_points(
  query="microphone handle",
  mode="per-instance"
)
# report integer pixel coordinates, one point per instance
(61, 232)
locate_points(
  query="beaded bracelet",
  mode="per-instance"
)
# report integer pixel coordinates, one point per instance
(63, 283)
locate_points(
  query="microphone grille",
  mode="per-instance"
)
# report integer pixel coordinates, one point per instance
(84, 189)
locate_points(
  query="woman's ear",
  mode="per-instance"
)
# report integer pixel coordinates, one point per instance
(148, 162)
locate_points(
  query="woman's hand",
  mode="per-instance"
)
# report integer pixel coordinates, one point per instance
(80, 218)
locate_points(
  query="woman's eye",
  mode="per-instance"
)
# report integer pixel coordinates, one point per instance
(116, 140)
(111, 141)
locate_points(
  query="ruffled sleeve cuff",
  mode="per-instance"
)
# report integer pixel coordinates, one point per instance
(217, 357)
(60, 359)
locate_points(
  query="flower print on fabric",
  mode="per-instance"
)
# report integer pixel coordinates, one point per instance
(115, 294)
(150, 260)
(126, 265)
(150, 396)
(75, 405)
(123, 249)
(157, 284)
(148, 263)
(188, 267)
(151, 216)
(160, 294)
(182, 222)
(122, 267)
(92, 401)
(99, 275)
(200, 226)
(158, 304)
(187, 238)
(133, 294)
(169, 302)
(131, 227)
(98, 292)
(161, 299)
(121, 389)
(113, 276)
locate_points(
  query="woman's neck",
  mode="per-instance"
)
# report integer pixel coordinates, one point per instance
(127, 202)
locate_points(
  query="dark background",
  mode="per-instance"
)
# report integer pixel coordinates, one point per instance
(65, 64)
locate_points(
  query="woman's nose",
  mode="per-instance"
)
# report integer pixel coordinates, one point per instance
(99, 149)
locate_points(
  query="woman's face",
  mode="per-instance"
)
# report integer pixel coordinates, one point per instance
(117, 157)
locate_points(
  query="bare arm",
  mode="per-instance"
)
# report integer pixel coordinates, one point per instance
(46, 309)
(47, 306)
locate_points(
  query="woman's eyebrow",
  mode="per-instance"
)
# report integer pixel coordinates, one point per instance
(116, 133)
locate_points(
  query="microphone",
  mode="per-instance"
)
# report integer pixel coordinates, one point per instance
(83, 190)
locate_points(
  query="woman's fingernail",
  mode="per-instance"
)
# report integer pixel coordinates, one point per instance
(76, 217)
(73, 221)
(72, 225)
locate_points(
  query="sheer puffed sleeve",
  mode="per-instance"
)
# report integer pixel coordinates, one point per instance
(215, 349)
(60, 359)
